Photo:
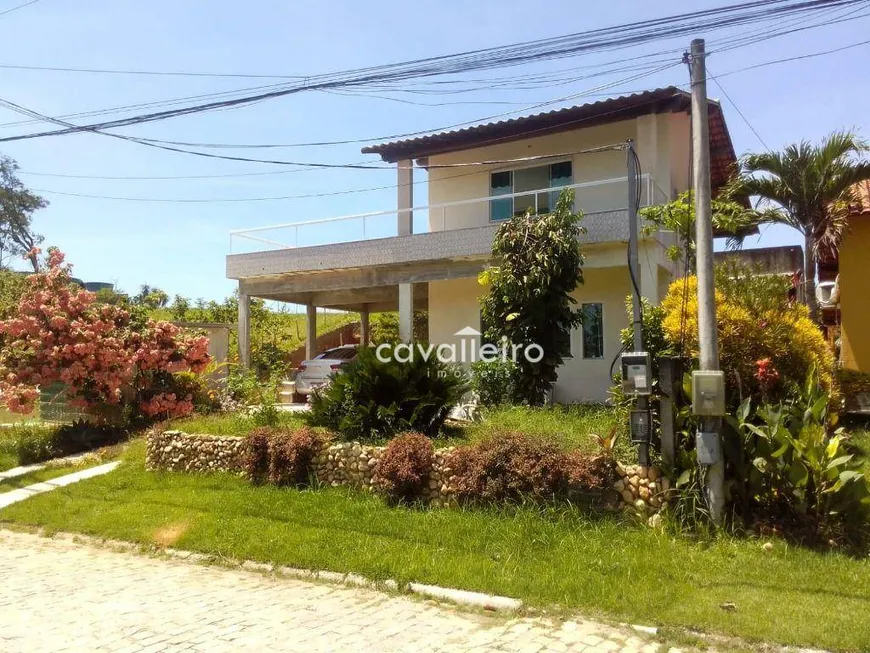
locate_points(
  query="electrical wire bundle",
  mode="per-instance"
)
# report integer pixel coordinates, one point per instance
(598, 40)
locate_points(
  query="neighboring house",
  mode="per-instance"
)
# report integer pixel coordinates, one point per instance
(475, 182)
(850, 269)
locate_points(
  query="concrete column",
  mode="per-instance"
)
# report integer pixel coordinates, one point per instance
(406, 312)
(244, 330)
(365, 335)
(405, 169)
(311, 332)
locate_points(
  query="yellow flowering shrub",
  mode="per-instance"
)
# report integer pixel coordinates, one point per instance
(784, 335)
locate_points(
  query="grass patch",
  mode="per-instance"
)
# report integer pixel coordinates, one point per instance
(568, 426)
(228, 423)
(554, 556)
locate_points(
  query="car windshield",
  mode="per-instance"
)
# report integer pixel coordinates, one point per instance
(339, 353)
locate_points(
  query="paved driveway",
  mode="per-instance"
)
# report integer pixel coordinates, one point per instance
(57, 595)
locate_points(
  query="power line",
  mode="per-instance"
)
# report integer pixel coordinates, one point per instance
(795, 58)
(279, 172)
(368, 166)
(21, 6)
(160, 73)
(609, 38)
(527, 159)
(737, 109)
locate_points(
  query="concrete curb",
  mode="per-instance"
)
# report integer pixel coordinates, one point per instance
(463, 597)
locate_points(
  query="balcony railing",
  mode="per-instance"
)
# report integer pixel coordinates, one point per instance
(592, 197)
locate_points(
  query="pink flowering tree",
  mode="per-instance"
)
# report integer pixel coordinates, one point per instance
(106, 362)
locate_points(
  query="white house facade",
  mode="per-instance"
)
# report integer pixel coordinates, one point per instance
(477, 178)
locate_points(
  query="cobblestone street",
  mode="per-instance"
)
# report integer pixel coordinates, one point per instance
(57, 595)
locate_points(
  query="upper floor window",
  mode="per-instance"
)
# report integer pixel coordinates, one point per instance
(517, 182)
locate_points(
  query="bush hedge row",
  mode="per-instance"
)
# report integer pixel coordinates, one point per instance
(508, 467)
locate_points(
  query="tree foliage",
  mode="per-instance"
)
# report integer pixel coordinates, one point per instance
(529, 300)
(767, 346)
(729, 217)
(17, 206)
(809, 188)
(105, 358)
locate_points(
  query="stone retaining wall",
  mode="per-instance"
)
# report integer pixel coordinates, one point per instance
(176, 451)
(353, 464)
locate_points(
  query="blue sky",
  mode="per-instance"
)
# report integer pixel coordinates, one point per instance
(180, 247)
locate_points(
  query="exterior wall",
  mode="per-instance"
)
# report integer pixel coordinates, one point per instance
(587, 380)
(454, 305)
(653, 135)
(854, 297)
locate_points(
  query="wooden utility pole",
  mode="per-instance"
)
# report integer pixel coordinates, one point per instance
(708, 346)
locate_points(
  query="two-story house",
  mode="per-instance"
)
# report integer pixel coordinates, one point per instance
(477, 178)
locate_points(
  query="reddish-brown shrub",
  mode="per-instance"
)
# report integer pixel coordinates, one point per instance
(589, 473)
(509, 467)
(291, 454)
(255, 454)
(404, 468)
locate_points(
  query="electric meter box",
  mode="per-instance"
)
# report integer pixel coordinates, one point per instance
(707, 448)
(708, 393)
(636, 373)
(640, 425)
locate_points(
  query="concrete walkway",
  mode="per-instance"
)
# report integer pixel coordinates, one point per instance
(57, 595)
(14, 496)
(20, 471)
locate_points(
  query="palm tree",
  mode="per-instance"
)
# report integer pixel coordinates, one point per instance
(809, 188)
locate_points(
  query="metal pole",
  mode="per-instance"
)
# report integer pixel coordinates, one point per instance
(634, 270)
(709, 351)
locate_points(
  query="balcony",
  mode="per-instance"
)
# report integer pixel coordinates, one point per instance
(460, 230)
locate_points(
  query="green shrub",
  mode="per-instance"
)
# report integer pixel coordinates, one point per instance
(31, 444)
(371, 398)
(404, 467)
(766, 349)
(796, 466)
(243, 385)
(495, 382)
(36, 443)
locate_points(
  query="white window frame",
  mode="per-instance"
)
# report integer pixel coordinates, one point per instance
(526, 166)
(583, 355)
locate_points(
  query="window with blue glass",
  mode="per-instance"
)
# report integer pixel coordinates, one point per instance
(501, 183)
(527, 189)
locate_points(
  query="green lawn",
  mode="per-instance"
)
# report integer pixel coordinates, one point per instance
(558, 557)
(567, 425)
